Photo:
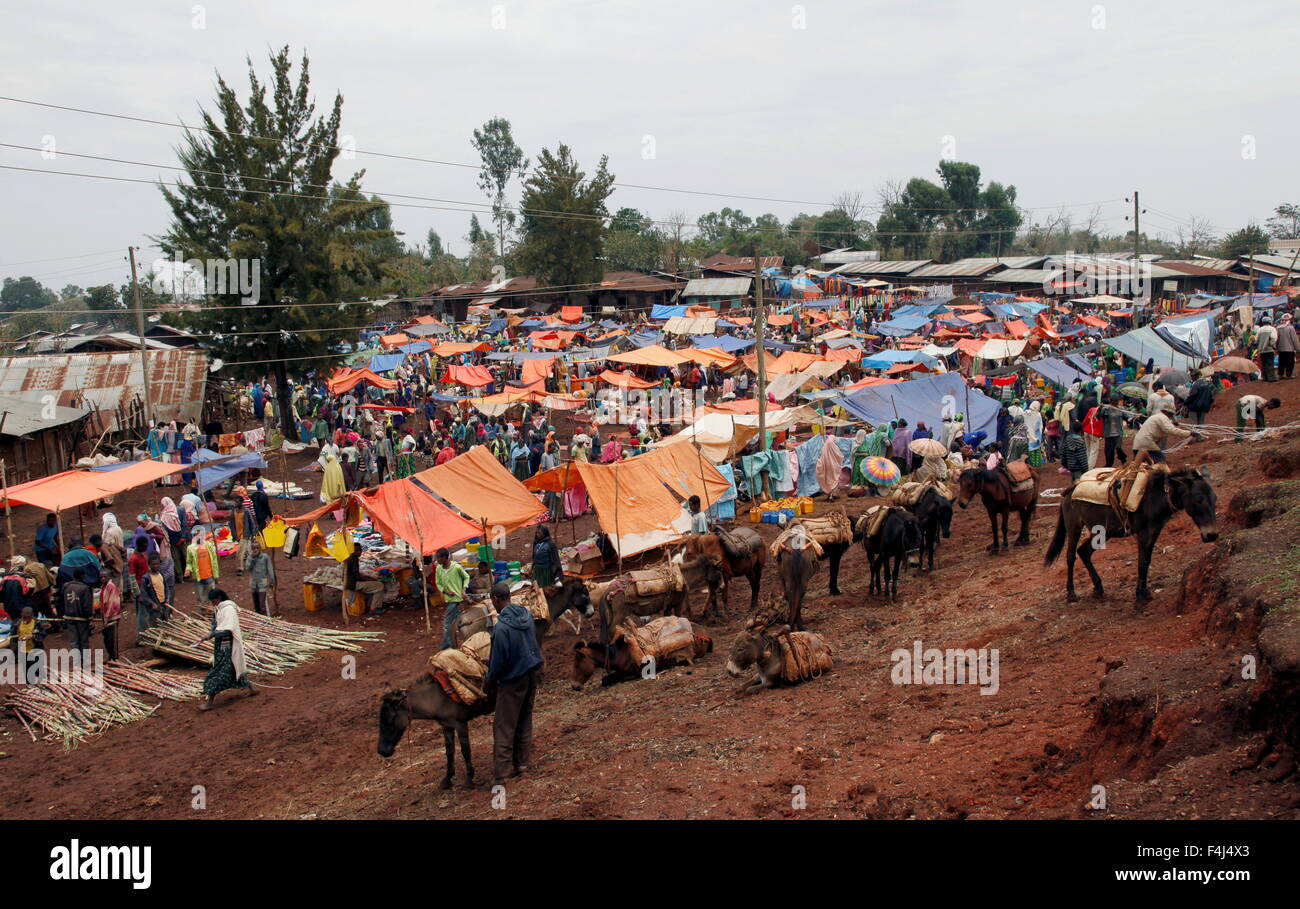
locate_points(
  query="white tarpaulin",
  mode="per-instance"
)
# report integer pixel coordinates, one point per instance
(1001, 349)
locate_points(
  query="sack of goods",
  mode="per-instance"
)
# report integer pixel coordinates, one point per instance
(654, 582)
(528, 595)
(664, 639)
(804, 656)
(462, 671)
(831, 528)
(871, 520)
(1020, 474)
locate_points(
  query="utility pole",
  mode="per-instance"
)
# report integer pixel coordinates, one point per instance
(1137, 252)
(760, 351)
(139, 330)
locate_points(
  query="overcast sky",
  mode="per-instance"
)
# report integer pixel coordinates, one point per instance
(1192, 103)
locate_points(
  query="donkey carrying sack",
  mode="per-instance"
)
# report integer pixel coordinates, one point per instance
(831, 528)
(804, 656)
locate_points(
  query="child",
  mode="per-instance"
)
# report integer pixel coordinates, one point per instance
(1074, 455)
(30, 636)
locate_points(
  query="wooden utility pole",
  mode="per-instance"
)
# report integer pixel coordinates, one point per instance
(139, 329)
(760, 351)
(759, 315)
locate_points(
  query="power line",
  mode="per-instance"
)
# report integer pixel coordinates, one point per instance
(106, 252)
(479, 167)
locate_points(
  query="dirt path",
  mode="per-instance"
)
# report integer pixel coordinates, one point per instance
(685, 745)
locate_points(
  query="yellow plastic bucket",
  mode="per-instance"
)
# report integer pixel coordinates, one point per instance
(313, 597)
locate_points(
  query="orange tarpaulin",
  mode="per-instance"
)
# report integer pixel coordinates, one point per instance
(401, 510)
(79, 487)
(452, 348)
(396, 340)
(571, 313)
(872, 380)
(744, 405)
(469, 376)
(638, 501)
(347, 379)
(781, 319)
(975, 317)
(711, 355)
(843, 355)
(625, 380)
(905, 367)
(970, 346)
(1098, 322)
(476, 484)
(1017, 328)
(537, 370)
(654, 355)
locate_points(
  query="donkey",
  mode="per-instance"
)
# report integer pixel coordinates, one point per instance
(740, 553)
(994, 487)
(933, 512)
(899, 533)
(425, 699)
(1185, 489)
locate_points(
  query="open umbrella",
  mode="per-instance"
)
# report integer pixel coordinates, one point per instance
(881, 471)
(1171, 377)
(1133, 390)
(1235, 364)
(927, 447)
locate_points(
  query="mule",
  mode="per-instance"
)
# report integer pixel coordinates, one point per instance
(425, 699)
(899, 533)
(994, 487)
(1185, 489)
(740, 553)
(616, 659)
(617, 600)
(796, 568)
(933, 512)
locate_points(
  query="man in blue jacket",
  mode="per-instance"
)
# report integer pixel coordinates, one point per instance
(516, 667)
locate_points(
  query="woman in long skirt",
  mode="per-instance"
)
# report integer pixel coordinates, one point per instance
(229, 670)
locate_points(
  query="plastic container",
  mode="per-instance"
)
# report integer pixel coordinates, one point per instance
(355, 606)
(404, 581)
(313, 597)
(500, 565)
(755, 515)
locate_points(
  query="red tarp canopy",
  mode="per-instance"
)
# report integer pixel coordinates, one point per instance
(396, 408)
(402, 510)
(536, 370)
(469, 376)
(571, 313)
(79, 487)
(1017, 328)
(347, 379)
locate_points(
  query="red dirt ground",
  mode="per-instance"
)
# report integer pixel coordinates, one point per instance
(686, 746)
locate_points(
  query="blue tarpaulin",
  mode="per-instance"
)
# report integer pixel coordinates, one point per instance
(924, 401)
(900, 326)
(883, 359)
(726, 343)
(416, 347)
(667, 311)
(209, 477)
(385, 362)
(645, 338)
(1144, 344)
(1057, 371)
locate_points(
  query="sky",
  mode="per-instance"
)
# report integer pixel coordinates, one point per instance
(1075, 103)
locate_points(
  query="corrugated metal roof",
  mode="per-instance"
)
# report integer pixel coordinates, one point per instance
(962, 268)
(177, 379)
(887, 267)
(717, 287)
(1022, 261)
(1025, 276)
(26, 414)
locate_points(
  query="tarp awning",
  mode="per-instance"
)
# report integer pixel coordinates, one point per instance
(476, 484)
(625, 380)
(469, 376)
(653, 355)
(925, 400)
(345, 380)
(79, 487)
(402, 510)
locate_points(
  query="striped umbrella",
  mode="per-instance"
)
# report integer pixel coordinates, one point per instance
(881, 471)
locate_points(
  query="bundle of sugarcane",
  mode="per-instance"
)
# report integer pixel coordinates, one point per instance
(143, 680)
(71, 711)
(271, 646)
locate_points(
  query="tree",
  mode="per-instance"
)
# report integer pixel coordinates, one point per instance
(104, 298)
(631, 242)
(24, 293)
(1286, 222)
(270, 205)
(502, 160)
(1196, 237)
(564, 250)
(1250, 239)
(949, 220)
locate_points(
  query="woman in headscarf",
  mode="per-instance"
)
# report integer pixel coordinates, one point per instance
(229, 669)
(332, 485)
(547, 568)
(575, 497)
(112, 551)
(1033, 418)
(519, 460)
(1018, 440)
(170, 519)
(406, 457)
